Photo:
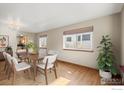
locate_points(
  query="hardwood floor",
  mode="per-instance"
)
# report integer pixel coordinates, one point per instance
(68, 74)
(79, 75)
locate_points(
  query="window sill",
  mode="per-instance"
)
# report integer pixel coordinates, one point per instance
(78, 50)
(42, 48)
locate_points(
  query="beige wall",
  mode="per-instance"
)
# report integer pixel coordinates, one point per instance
(102, 26)
(122, 36)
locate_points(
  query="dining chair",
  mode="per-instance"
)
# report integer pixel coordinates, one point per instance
(8, 58)
(17, 67)
(52, 52)
(22, 54)
(42, 53)
(6, 66)
(48, 64)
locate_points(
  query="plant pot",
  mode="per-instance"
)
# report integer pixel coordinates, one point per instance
(105, 74)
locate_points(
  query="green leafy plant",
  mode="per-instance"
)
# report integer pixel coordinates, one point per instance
(31, 45)
(106, 58)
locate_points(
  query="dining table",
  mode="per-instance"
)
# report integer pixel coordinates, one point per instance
(33, 58)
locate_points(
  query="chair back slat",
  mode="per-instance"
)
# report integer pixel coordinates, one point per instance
(51, 59)
(14, 60)
(42, 53)
(4, 54)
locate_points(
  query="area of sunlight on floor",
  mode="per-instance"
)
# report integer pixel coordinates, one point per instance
(60, 81)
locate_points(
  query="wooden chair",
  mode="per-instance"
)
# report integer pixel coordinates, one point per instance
(6, 66)
(48, 64)
(17, 67)
(22, 54)
(42, 53)
(53, 52)
(9, 67)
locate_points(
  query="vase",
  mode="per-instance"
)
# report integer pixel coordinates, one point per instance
(105, 74)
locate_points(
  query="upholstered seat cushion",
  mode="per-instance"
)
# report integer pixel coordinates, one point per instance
(42, 66)
(22, 66)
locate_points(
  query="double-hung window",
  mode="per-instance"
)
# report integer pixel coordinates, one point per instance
(43, 41)
(78, 39)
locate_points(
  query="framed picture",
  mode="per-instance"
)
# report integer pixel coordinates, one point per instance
(4, 41)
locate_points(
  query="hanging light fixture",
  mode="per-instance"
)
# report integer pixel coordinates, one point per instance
(14, 24)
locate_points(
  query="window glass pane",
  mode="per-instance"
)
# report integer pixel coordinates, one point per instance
(78, 41)
(78, 38)
(42, 41)
(87, 40)
(68, 39)
(86, 44)
(86, 37)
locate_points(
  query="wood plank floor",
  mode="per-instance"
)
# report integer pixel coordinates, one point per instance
(68, 74)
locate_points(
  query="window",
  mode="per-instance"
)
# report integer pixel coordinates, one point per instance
(78, 41)
(79, 38)
(69, 39)
(86, 37)
(43, 41)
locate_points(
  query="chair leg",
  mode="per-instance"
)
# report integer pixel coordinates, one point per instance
(29, 71)
(55, 72)
(50, 70)
(6, 70)
(5, 66)
(9, 73)
(14, 76)
(56, 64)
(28, 60)
(36, 70)
(46, 77)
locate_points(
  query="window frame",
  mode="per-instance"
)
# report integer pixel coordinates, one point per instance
(76, 48)
(43, 47)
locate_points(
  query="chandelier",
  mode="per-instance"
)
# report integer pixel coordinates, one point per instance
(14, 24)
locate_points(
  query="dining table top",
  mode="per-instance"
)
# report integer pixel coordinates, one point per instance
(36, 56)
(33, 56)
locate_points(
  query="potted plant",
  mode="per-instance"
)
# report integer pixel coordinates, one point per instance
(106, 59)
(31, 47)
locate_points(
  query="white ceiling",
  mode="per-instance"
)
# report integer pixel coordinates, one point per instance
(43, 17)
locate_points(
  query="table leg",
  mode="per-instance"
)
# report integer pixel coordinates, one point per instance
(34, 62)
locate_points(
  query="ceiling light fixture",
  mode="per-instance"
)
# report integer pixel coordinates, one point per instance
(14, 24)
